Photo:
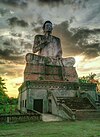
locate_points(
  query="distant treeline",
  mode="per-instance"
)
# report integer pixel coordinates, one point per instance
(4, 98)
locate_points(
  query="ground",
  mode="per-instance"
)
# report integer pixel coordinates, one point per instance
(89, 128)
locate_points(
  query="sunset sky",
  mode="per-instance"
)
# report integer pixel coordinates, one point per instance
(75, 22)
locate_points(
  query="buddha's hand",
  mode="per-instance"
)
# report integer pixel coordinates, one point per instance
(46, 40)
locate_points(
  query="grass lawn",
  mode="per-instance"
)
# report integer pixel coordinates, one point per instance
(52, 129)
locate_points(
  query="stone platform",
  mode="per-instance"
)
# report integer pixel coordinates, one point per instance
(50, 117)
(45, 68)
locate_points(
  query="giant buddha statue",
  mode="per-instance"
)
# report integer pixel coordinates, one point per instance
(46, 62)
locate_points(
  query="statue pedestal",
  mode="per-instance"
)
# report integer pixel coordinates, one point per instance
(45, 68)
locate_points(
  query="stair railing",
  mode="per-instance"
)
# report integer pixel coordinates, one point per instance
(65, 108)
(68, 111)
(90, 99)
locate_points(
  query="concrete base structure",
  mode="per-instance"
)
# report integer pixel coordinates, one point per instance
(58, 98)
(54, 89)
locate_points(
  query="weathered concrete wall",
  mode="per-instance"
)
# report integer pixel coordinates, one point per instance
(35, 93)
(39, 90)
(19, 101)
(87, 114)
(55, 73)
(23, 101)
(64, 93)
(89, 88)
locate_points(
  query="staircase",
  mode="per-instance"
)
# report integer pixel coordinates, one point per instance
(96, 104)
(63, 107)
(76, 103)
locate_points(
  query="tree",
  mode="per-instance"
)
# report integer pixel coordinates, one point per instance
(90, 79)
(13, 101)
(3, 96)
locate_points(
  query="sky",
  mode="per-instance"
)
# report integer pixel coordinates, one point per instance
(75, 22)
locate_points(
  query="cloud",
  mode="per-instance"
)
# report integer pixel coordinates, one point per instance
(14, 48)
(3, 11)
(77, 41)
(51, 1)
(37, 25)
(11, 55)
(16, 34)
(37, 29)
(5, 53)
(93, 13)
(10, 52)
(11, 69)
(2, 62)
(74, 42)
(64, 1)
(21, 20)
(75, 4)
(85, 66)
(88, 41)
(91, 53)
(22, 3)
(68, 45)
(15, 21)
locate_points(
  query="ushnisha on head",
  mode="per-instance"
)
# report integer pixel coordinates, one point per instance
(47, 27)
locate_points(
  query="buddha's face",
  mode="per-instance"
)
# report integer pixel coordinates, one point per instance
(48, 27)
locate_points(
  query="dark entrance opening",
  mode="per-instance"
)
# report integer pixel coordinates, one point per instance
(38, 105)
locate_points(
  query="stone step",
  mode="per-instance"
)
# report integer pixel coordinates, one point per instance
(60, 101)
(51, 117)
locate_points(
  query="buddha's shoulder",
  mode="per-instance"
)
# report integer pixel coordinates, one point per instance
(38, 36)
(41, 36)
(54, 37)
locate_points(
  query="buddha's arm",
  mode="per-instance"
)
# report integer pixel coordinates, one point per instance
(59, 52)
(39, 43)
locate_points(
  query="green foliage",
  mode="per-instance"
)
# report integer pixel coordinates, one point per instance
(7, 104)
(88, 79)
(8, 109)
(2, 85)
(13, 101)
(3, 96)
(82, 80)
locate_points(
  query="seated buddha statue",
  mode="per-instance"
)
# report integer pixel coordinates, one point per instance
(48, 49)
(50, 46)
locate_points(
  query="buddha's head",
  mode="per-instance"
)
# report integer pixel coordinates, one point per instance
(47, 27)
